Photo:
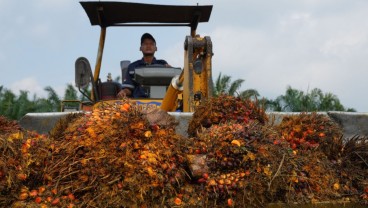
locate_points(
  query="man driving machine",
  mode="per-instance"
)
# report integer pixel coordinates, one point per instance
(130, 87)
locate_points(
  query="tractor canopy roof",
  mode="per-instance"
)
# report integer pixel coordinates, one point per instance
(110, 13)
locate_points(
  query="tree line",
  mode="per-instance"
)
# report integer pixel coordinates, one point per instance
(15, 106)
(292, 101)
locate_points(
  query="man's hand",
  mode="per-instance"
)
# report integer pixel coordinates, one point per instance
(124, 93)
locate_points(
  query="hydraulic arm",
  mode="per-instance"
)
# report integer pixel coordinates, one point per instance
(195, 82)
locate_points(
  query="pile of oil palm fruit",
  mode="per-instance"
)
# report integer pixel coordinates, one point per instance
(116, 156)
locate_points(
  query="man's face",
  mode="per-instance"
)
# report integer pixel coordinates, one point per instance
(148, 47)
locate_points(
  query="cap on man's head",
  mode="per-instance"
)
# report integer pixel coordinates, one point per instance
(147, 36)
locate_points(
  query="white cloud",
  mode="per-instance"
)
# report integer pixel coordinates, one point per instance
(29, 84)
(34, 87)
(297, 22)
(344, 44)
(304, 50)
(270, 44)
(235, 47)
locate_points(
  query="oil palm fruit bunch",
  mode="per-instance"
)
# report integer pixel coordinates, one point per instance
(24, 156)
(311, 130)
(352, 167)
(8, 126)
(114, 156)
(240, 158)
(225, 108)
(11, 173)
(226, 144)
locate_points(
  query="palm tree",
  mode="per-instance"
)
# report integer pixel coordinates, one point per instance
(234, 86)
(298, 101)
(330, 101)
(249, 94)
(70, 93)
(71, 100)
(223, 85)
(23, 105)
(7, 103)
(53, 102)
(291, 101)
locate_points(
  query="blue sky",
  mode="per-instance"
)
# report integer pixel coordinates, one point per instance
(270, 44)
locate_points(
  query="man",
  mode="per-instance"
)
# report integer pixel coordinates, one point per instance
(131, 88)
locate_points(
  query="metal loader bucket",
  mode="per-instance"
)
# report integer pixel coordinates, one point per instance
(42, 122)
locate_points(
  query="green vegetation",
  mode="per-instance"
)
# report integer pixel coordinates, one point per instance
(292, 101)
(223, 85)
(298, 101)
(15, 106)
